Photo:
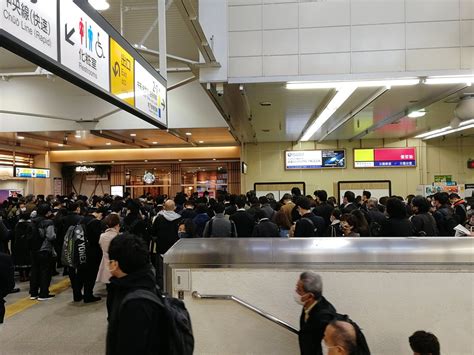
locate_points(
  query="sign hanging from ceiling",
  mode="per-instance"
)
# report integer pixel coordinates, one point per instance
(150, 94)
(314, 159)
(32, 173)
(84, 45)
(32, 23)
(121, 73)
(89, 52)
(385, 158)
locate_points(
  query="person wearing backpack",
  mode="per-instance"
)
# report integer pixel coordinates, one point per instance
(444, 215)
(309, 225)
(141, 321)
(220, 226)
(42, 252)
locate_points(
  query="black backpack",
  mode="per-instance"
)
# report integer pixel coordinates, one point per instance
(178, 320)
(74, 253)
(315, 229)
(374, 229)
(23, 234)
(448, 223)
(35, 239)
(232, 229)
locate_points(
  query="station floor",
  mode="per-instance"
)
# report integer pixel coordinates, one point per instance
(57, 326)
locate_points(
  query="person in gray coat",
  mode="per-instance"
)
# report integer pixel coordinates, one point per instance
(219, 226)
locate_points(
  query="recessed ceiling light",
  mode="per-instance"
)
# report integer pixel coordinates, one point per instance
(60, 145)
(108, 143)
(180, 160)
(213, 158)
(155, 142)
(99, 5)
(201, 142)
(146, 160)
(21, 137)
(416, 114)
(77, 136)
(113, 161)
(133, 134)
(189, 134)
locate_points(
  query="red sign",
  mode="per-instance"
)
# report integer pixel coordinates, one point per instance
(394, 154)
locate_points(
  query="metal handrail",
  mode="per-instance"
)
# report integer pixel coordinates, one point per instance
(197, 295)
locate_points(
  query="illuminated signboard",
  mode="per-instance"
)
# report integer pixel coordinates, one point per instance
(385, 158)
(32, 173)
(72, 40)
(314, 159)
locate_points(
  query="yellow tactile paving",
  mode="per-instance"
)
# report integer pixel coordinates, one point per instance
(25, 303)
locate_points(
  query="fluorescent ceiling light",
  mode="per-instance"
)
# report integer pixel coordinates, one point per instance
(155, 142)
(450, 131)
(341, 96)
(201, 142)
(446, 130)
(21, 137)
(468, 80)
(60, 145)
(77, 136)
(133, 134)
(189, 134)
(416, 114)
(341, 84)
(99, 5)
(108, 143)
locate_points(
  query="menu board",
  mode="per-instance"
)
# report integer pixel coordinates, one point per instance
(314, 159)
(32, 173)
(385, 158)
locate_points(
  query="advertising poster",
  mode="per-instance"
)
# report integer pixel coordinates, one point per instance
(314, 159)
(384, 157)
(150, 94)
(33, 22)
(84, 45)
(122, 82)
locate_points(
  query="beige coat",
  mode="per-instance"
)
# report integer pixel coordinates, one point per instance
(105, 238)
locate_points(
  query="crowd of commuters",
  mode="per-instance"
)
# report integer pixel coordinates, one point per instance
(125, 239)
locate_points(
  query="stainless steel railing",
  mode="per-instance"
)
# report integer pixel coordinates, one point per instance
(197, 295)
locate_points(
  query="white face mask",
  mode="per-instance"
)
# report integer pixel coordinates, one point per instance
(297, 298)
(324, 348)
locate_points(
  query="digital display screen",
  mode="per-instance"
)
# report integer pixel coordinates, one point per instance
(32, 173)
(116, 190)
(385, 158)
(314, 159)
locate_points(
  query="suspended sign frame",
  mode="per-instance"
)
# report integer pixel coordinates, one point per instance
(385, 158)
(315, 159)
(72, 40)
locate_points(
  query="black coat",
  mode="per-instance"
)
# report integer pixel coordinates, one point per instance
(244, 223)
(349, 208)
(312, 331)
(166, 233)
(7, 281)
(324, 210)
(266, 228)
(304, 228)
(136, 328)
(397, 227)
(424, 222)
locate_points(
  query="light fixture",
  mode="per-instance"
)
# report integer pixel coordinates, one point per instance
(133, 134)
(213, 158)
(20, 137)
(468, 80)
(60, 145)
(446, 130)
(108, 143)
(341, 96)
(99, 5)
(77, 136)
(201, 142)
(155, 142)
(180, 160)
(189, 134)
(294, 85)
(417, 114)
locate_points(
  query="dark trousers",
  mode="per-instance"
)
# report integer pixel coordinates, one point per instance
(84, 278)
(2, 309)
(40, 276)
(159, 271)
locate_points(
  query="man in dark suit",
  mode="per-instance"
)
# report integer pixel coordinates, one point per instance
(6, 281)
(309, 224)
(244, 221)
(348, 203)
(316, 315)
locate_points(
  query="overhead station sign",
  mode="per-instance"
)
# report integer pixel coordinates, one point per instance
(314, 159)
(84, 45)
(89, 52)
(32, 23)
(385, 158)
(32, 173)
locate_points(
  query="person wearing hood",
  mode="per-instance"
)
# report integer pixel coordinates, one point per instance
(134, 324)
(165, 234)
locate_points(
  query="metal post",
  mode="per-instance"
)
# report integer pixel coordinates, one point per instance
(162, 37)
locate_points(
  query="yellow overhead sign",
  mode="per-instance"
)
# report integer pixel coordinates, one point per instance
(122, 81)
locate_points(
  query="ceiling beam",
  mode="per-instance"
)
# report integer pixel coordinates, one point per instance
(183, 138)
(399, 115)
(120, 139)
(42, 138)
(322, 106)
(23, 148)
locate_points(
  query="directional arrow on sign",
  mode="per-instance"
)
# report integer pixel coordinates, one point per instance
(116, 68)
(68, 35)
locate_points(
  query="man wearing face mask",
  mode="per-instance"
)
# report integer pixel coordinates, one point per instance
(316, 315)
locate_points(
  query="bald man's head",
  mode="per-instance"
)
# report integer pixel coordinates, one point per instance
(340, 337)
(169, 205)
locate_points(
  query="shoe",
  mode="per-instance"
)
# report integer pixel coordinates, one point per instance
(92, 299)
(33, 297)
(78, 299)
(45, 298)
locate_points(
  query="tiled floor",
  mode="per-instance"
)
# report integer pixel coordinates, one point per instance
(57, 326)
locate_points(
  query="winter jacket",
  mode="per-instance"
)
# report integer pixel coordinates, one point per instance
(136, 327)
(424, 223)
(397, 227)
(165, 230)
(7, 281)
(244, 222)
(266, 228)
(305, 228)
(220, 227)
(200, 222)
(105, 238)
(46, 226)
